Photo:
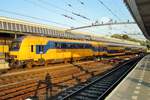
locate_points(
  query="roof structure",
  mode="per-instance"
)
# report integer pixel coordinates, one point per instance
(140, 10)
(30, 28)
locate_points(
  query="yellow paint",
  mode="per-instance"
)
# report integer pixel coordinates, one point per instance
(4, 49)
(25, 53)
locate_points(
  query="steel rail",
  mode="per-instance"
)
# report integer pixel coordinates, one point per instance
(131, 63)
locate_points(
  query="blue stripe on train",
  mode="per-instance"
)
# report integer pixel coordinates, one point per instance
(65, 45)
(60, 45)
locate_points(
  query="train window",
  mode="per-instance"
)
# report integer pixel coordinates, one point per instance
(57, 45)
(68, 45)
(76, 46)
(86, 46)
(15, 45)
(40, 49)
(63, 45)
(31, 48)
(71, 45)
(80, 45)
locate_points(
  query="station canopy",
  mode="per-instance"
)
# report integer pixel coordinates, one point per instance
(140, 10)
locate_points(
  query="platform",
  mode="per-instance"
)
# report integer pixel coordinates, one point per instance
(136, 85)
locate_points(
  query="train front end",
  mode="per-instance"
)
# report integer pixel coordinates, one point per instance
(14, 59)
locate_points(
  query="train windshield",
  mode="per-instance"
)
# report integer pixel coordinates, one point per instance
(15, 45)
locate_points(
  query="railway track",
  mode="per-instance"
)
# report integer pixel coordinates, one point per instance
(19, 85)
(22, 84)
(99, 87)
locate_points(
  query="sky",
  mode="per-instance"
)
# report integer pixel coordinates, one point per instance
(53, 12)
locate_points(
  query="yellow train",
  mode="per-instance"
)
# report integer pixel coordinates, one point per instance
(4, 50)
(32, 50)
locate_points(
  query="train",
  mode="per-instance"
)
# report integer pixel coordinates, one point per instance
(38, 50)
(4, 51)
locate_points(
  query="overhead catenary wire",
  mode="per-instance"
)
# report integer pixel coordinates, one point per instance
(49, 10)
(81, 2)
(74, 13)
(33, 17)
(119, 11)
(61, 14)
(78, 14)
(52, 5)
(42, 7)
(102, 3)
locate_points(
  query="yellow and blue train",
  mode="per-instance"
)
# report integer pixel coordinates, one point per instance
(32, 50)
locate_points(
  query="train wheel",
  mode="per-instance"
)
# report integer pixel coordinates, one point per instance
(71, 60)
(46, 63)
(29, 65)
(65, 61)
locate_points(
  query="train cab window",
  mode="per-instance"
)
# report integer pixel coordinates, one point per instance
(31, 48)
(15, 45)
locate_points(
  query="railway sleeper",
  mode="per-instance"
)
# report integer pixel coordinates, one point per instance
(22, 87)
(92, 91)
(90, 95)
(103, 84)
(98, 87)
(80, 97)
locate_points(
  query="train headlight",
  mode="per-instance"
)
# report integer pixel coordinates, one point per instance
(13, 56)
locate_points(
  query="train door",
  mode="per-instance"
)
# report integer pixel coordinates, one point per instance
(32, 52)
(40, 51)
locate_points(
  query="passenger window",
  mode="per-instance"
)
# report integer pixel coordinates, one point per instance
(31, 48)
(39, 47)
(42, 48)
(58, 45)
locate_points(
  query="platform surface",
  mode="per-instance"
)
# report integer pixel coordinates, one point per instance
(136, 85)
